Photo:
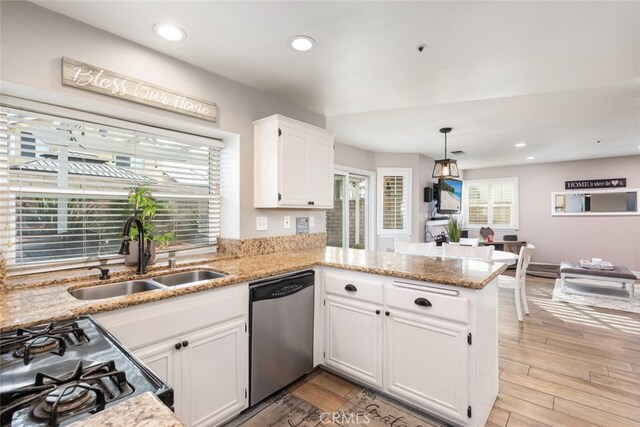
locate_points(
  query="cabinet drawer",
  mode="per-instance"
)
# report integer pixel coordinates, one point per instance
(353, 285)
(432, 303)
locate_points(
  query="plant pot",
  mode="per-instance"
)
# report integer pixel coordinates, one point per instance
(131, 260)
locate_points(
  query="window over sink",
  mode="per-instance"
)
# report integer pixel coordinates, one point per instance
(65, 184)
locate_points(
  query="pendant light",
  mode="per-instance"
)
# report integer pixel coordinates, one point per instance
(445, 168)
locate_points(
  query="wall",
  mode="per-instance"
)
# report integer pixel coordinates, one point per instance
(613, 238)
(33, 41)
(421, 167)
(348, 155)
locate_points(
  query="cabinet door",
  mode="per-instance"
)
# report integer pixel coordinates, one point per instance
(319, 166)
(215, 373)
(427, 363)
(292, 167)
(164, 360)
(353, 342)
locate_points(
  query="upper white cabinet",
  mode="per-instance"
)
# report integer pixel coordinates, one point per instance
(293, 164)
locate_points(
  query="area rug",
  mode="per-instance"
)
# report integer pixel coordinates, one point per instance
(600, 301)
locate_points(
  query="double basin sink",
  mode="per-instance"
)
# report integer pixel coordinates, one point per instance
(134, 286)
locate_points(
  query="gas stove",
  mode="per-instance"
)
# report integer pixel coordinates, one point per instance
(61, 372)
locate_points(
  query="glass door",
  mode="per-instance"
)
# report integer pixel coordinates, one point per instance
(348, 221)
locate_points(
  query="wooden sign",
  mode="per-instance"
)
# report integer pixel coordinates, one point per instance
(595, 183)
(88, 77)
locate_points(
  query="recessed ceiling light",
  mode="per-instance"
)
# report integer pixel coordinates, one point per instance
(301, 43)
(520, 144)
(169, 32)
(531, 158)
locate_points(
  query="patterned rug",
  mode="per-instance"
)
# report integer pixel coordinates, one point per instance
(365, 408)
(602, 300)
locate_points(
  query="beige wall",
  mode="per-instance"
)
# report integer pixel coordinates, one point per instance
(348, 155)
(421, 168)
(34, 39)
(613, 238)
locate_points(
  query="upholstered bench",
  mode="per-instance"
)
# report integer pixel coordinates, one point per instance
(618, 274)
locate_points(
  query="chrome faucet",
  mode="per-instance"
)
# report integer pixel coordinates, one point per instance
(144, 254)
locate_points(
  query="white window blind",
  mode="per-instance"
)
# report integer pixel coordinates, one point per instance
(65, 185)
(394, 201)
(492, 203)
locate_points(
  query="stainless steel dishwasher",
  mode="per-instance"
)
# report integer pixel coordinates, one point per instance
(281, 332)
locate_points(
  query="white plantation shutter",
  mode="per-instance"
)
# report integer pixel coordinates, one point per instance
(65, 185)
(394, 201)
(492, 203)
(502, 202)
(478, 203)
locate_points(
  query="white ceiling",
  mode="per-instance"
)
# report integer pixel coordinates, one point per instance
(556, 75)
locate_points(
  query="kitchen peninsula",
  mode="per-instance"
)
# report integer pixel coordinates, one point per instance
(451, 369)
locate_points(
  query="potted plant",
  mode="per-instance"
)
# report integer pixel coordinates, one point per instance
(145, 207)
(454, 229)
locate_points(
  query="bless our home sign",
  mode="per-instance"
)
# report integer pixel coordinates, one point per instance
(595, 183)
(95, 79)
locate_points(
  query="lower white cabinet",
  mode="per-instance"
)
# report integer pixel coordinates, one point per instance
(427, 362)
(432, 346)
(198, 344)
(354, 339)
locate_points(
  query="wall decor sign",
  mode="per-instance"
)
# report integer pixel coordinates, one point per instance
(95, 79)
(595, 183)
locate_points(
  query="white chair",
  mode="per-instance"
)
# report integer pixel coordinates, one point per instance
(413, 248)
(466, 241)
(482, 253)
(518, 283)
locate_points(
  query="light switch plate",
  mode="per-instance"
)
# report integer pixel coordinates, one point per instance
(302, 225)
(312, 221)
(287, 222)
(261, 223)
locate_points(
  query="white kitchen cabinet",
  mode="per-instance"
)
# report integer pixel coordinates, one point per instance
(198, 344)
(293, 164)
(427, 362)
(432, 346)
(354, 339)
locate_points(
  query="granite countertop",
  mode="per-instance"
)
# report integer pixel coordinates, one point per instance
(144, 410)
(36, 299)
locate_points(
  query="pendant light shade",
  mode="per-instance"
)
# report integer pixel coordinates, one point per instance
(445, 168)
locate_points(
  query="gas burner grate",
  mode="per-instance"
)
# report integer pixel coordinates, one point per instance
(52, 399)
(53, 338)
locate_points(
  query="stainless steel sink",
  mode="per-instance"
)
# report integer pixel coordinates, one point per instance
(115, 289)
(188, 277)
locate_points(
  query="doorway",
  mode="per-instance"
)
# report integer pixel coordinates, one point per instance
(349, 222)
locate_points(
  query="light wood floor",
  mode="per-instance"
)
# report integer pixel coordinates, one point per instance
(565, 365)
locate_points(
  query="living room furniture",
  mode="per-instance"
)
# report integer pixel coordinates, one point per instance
(458, 251)
(597, 279)
(505, 245)
(518, 283)
(413, 248)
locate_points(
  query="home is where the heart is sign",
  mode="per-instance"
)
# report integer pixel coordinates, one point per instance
(595, 183)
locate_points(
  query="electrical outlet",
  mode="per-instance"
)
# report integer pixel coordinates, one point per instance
(287, 222)
(312, 221)
(261, 223)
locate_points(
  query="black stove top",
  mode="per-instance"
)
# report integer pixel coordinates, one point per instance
(58, 373)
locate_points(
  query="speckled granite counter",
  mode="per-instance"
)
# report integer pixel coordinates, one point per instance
(144, 410)
(31, 305)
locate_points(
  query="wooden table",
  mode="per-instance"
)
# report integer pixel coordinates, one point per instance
(597, 278)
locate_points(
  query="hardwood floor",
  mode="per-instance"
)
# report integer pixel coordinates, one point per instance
(565, 365)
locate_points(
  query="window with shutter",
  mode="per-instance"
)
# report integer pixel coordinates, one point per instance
(394, 201)
(66, 183)
(491, 203)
